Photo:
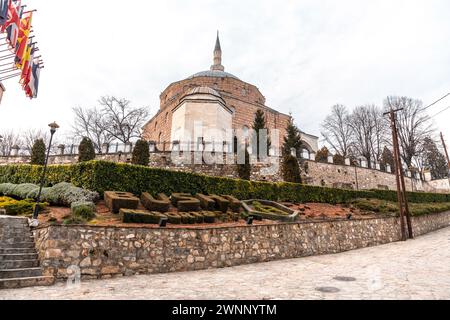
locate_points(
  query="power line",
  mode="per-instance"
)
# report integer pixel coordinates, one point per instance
(448, 94)
(427, 107)
(440, 112)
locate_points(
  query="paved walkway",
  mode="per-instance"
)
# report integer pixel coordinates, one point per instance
(417, 269)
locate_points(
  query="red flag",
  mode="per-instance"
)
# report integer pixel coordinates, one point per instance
(22, 40)
(13, 23)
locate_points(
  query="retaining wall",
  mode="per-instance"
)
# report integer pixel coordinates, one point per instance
(102, 252)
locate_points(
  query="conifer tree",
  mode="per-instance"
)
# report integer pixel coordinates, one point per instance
(260, 124)
(38, 152)
(86, 151)
(141, 154)
(292, 140)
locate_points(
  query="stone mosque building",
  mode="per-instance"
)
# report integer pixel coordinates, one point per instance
(220, 101)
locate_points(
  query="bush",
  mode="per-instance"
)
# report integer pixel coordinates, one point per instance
(102, 176)
(391, 207)
(22, 190)
(141, 154)
(83, 209)
(19, 207)
(290, 169)
(6, 189)
(73, 221)
(60, 194)
(38, 152)
(86, 151)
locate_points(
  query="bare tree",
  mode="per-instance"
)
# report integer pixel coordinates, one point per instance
(93, 124)
(31, 135)
(9, 139)
(362, 125)
(380, 132)
(337, 131)
(414, 125)
(123, 122)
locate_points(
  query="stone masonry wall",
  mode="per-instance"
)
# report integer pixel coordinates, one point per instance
(102, 252)
(336, 176)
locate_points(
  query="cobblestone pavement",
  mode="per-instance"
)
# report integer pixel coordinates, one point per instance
(417, 269)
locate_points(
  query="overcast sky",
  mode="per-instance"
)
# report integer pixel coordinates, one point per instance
(304, 55)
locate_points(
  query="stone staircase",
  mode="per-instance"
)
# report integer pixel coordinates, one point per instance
(19, 263)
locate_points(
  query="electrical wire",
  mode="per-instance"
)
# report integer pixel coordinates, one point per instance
(448, 94)
(440, 112)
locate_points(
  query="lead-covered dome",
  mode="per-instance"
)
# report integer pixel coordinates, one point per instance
(214, 73)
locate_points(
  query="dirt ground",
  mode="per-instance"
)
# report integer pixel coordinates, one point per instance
(308, 212)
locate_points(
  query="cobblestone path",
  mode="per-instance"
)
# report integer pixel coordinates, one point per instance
(416, 269)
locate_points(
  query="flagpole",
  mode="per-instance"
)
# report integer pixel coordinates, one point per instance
(10, 76)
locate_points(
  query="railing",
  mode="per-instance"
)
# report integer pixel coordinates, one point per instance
(117, 148)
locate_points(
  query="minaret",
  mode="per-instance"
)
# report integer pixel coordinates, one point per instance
(217, 56)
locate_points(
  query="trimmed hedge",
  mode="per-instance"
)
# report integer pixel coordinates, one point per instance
(102, 176)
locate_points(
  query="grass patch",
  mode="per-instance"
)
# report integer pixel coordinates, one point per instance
(391, 208)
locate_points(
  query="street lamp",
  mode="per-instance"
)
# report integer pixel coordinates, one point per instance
(34, 222)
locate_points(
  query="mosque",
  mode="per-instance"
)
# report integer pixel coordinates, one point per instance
(221, 102)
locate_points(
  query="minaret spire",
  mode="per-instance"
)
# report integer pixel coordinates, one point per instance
(217, 56)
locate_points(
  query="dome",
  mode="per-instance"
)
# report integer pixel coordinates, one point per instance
(204, 90)
(214, 73)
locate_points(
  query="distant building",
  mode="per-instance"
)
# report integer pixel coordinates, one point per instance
(217, 99)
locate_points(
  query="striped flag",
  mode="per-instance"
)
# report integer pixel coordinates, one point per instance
(27, 58)
(13, 22)
(33, 85)
(4, 5)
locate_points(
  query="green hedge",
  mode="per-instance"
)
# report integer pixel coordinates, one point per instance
(103, 176)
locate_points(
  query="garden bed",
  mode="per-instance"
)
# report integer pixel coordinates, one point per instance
(309, 212)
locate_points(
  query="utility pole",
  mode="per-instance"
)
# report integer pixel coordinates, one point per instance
(400, 179)
(445, 149)
(446, 155)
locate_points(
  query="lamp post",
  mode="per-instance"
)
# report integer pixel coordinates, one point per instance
(34, 223)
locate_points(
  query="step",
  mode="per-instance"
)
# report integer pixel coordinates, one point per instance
(20, 273)
(18, 256)
(17, 239)
(23, 245)
(26, 282)
(17, 250)
(16, 228)
(19, 264)
(23, 234)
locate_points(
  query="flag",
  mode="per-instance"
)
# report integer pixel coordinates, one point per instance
(33, 85)
(27, 58)
(13, 22)
(4, 5)
(22, 40)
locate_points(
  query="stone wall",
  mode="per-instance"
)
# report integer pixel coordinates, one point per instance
(337, 176)
(107, 251)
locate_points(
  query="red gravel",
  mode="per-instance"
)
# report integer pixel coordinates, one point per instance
(308, 212)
